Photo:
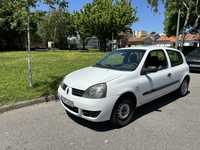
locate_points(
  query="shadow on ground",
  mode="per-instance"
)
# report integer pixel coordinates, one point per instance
(155, 105)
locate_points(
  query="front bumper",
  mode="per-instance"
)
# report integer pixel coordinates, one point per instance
(95, 110)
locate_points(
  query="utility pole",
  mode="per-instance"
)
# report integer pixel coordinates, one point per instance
(29, 48)
(177, 28)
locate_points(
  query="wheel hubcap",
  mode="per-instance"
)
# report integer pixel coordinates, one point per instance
(184, 88)
(123, 111)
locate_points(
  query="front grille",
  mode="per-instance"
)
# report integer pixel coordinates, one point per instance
(77, 92)
(74, 109)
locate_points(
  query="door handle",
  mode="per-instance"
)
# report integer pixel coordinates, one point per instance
(169, 74)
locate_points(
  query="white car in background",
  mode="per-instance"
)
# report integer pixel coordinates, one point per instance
(123, 80)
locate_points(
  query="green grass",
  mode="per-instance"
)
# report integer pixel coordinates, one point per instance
(48, 70)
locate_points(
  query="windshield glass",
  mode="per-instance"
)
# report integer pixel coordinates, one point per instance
(127, 60)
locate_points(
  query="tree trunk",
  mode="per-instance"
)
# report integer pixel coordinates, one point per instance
(103, 45)
(54, 35)
(29, 49)
(196, 23)
(83, 43)
(185, 24)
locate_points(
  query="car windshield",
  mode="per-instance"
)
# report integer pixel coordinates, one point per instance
(126, 60)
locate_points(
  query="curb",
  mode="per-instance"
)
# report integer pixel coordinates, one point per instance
(27, 103)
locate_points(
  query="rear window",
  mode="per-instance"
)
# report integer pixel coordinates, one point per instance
(175, 58)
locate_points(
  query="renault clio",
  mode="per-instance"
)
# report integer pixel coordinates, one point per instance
(123, 80)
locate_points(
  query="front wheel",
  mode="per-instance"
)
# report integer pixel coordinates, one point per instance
(183, 90)
(123, 112)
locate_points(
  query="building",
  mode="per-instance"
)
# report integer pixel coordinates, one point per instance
(165, 41)
(139, 34)
(137, 41)
(75, 42)
(123, 37)
(191, 40)
(92, 43)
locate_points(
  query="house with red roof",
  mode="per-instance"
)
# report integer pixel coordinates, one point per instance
(166, 41)
(136, 41)
(191, 40)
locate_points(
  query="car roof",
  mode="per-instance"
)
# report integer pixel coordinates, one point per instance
(147, 48)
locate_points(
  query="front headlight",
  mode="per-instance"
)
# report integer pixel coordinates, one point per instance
(63, 85)
(96, 91)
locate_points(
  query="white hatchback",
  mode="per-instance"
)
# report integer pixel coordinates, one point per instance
(123, 80)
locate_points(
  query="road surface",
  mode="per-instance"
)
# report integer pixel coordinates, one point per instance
(168, 123)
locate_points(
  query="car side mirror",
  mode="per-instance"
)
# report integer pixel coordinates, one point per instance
(149, 70)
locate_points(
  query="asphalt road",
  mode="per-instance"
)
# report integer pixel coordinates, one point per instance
(168, 123)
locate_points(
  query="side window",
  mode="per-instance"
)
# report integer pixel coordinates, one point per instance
(156, 59)
(175, 57)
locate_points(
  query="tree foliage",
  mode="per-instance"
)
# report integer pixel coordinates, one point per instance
(101, 18)
(190, 15)
(13, 21)
(57, 26)
(104, 18)
(81, 28)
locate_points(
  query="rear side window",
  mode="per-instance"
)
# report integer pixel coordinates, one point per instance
(175, 58)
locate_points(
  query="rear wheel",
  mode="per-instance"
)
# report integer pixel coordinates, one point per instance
(183, 90)
(123, 112)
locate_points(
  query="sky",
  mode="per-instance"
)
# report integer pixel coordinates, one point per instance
(148, 20)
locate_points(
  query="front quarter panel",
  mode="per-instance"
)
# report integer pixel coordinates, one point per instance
(124, 84)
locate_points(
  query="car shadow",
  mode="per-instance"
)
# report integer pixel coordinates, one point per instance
(155, 105)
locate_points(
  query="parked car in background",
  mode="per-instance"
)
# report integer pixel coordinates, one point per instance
(193, 59)
(123, 80)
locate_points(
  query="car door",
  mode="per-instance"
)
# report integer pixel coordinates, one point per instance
(155, 83)
(177, 67)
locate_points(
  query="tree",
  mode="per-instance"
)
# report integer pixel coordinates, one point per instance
(57, 26)
(104, 18)
(81, 28)
(16, 20)
(13, 21)
(190, 15)
(12, 24)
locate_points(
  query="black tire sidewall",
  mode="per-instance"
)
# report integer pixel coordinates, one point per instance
(180, 89)
(115, 120)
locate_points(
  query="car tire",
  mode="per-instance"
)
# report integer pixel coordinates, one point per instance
(183, 90)
(123, 112)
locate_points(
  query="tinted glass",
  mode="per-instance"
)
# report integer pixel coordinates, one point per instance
(175, 57)
(194, 53)
(156, 58)
(122, 60)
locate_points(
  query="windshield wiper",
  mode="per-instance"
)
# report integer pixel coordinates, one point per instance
(104, 65)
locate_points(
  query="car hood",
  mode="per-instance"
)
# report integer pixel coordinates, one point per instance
(86, 77)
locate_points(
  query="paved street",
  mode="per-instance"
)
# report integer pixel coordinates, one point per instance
(166, 124)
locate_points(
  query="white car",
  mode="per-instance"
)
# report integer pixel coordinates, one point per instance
(123, 80)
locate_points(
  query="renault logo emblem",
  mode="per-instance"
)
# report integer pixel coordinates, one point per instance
(67, 91)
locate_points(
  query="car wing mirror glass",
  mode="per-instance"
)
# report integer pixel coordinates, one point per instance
(149, 70)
